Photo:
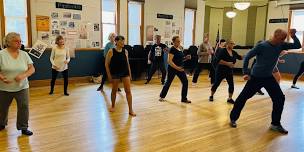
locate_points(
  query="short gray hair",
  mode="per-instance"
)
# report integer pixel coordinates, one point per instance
(110, 35)
(9, 37)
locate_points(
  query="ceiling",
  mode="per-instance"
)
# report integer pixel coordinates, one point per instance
(223, 3)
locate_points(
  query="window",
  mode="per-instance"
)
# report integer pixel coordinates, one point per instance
(16, 18)
(189, 27)
(134, 23)
(297, 23)
(108, 19)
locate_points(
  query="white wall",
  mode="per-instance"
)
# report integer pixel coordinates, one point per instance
(170, 7)
(275, 12)
(199, 25)
(90, 11)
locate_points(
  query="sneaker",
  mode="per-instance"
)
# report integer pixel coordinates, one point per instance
(279, 129)
(161, 99)
(186, 101)
(211, 98)
(118, 90)
(51, 92)
(294, 87)
(230, 101)
(66, 94)
(146, 82)
(27, 132)
(193, 84)
(233, 124)
(2, 127)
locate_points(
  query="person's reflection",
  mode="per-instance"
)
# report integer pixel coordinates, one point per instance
(24, 143)
(122, 134)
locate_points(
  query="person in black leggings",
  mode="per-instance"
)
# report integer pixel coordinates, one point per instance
(295, 79)
(118, 68)
(226, 60)
(156, 57)
(219, 46)
(176, 60)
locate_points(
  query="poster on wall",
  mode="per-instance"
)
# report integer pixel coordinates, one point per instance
(38, 49)
(70, 43)
(96, 27)
(43, 23)
(54, 15)
(63, 23)
(77, 16)
(67, 15)
(83, 32)
(55, 24)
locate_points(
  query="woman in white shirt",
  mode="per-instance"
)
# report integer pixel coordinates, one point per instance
(60, 58)
(15, 67)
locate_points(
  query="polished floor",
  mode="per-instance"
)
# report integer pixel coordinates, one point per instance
(82, 122)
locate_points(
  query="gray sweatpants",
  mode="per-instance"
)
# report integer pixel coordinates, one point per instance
(22, 98)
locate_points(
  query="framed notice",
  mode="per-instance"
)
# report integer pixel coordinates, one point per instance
(38, 49)
(43, 23)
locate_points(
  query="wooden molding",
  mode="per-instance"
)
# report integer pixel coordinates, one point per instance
(29, 24)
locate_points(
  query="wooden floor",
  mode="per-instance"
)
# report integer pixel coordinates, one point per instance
(82, 122)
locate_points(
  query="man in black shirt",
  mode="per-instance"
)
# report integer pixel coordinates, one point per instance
(156, 58)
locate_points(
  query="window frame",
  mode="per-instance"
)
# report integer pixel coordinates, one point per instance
(28, 22)
(117, 19)
(141, 19)
(290, 22)
(194, 25)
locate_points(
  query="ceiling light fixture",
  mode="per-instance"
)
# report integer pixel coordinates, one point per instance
(230, 14)
(241, 5)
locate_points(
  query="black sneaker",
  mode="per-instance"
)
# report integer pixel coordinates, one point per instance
(230, 101)
(294, 87)
(233, 124)
(118, 90)
(186, 101)
(27, 132)
(279, 129)
(211, 98)
(2, 127)
(146, 82)
(66, 94)
(51, 92)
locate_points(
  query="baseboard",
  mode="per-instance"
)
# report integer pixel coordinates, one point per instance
(72, 80)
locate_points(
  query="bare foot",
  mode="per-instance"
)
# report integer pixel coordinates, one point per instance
(132, 114)
(112, 109)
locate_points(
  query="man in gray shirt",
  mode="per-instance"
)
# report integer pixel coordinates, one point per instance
(267, 54)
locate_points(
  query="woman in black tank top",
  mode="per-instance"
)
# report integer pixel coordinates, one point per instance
(118, 68)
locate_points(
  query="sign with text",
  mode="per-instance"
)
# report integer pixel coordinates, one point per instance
(43, 23)
(68, 6)
(278, 20)
(165, 16)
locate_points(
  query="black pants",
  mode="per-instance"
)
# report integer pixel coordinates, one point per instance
(221, 74)
(197, 72)
(251, 87)
(300, 72)
(157, 65)
(65, 78)
(104, 74)
(183, 78)
(212, 69)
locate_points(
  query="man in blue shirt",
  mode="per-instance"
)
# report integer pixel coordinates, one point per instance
(267, 54)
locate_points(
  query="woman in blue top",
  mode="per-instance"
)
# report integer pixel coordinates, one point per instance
(15, 67)
(176, 60)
